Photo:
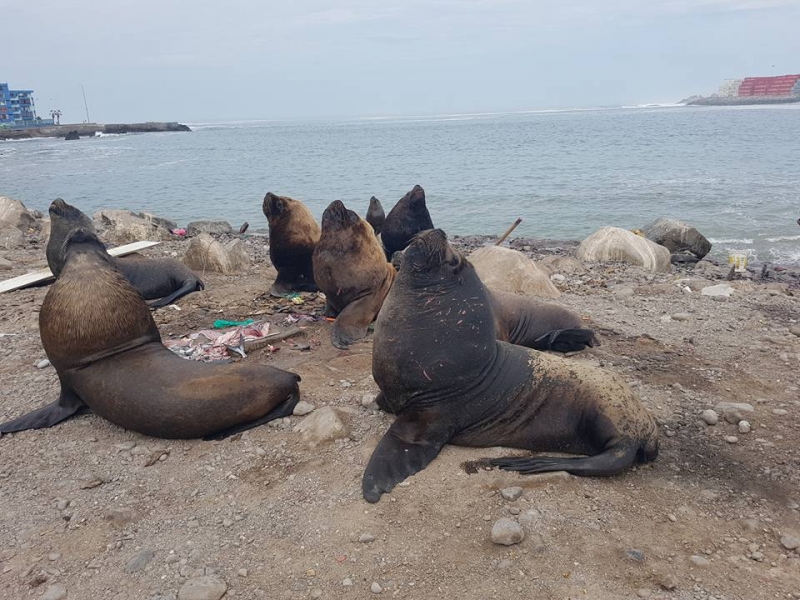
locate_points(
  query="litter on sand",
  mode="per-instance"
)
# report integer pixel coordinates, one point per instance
(222, 323)
(208, 344)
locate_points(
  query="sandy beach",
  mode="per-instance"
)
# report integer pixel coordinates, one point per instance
(89, 510)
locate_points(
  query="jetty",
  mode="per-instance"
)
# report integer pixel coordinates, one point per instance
(88, 130)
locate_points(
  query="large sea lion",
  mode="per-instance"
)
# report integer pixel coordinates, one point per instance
(408, 217)
(293, 235)
(375, 215)
(441, 370)
(162, 280)
(101, 338)
(351, 269)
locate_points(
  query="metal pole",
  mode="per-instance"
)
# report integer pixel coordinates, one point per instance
(86, 106)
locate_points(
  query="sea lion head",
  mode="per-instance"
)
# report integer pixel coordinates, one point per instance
(430, 254)
(61, 211)
(83, 242)
(275, 206)
(337, 216)
(415, 199)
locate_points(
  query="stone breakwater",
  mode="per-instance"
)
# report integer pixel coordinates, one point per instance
(90, 129)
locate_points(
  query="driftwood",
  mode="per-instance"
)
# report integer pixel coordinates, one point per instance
(508, 231)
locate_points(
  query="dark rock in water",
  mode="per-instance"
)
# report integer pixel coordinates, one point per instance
(677, 236)
(196, 227)
(72, 135)
(148, 127)
(683, 257)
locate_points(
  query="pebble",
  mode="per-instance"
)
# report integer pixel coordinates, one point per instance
(757, 556)
(208, 587)
(744, 427)
(790, 542)
(368, 401)
(795, 329)
(54, 556)
(780, 412)
(721, 290)
(672, 518)
(140, 561)
(347, 582)
(366, 538)
(732, 416)
(55, 592)
(375, 588)
(668, 582)
(710, 417)
(740, 406)
(242, 572)
(731, 439)
(321, 426)
(681, 317)
(507, 532)
(559, 278)
(43, 364)
(303, 408)
(635, 555)
(643, 593)
(511, 493)
(699, 561)
(227, 522)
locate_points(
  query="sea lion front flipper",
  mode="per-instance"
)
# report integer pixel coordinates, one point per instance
(352, 323)
(565, 340)
(187, 287)
(67, 405)
(609, 462)
(284, 409)
(410, 444)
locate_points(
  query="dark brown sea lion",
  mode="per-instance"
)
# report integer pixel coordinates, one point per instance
(525, 321)
(293, 235)
(408, 217)
(351, 269)
(441, 370)
(375, 215)
(102, 340)
(162, 280)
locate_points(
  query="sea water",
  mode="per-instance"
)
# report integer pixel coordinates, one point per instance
(734, 173)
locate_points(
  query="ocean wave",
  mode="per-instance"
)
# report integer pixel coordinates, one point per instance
(783, 238)
(731, 241)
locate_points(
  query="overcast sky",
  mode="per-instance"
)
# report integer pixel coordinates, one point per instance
(197, 60)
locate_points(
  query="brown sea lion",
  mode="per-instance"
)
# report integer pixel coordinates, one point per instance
(161, 280)
(375, 215)
(351, 269)
(293, 235)
(440, 368)
(408, 217)
(101, 338)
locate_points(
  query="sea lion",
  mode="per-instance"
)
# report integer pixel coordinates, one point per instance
(293, 235)
(162, 280)
(408, 217)
(441, 370)
(101, 338)
(375, 215)
(525, 321)
(351, 269)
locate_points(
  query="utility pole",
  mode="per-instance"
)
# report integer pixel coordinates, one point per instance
(86, 106)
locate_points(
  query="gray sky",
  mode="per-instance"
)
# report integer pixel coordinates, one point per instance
(246, 59)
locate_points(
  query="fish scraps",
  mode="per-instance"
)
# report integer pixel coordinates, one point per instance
(209, 344)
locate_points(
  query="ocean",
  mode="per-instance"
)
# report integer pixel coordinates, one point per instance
(734, 173)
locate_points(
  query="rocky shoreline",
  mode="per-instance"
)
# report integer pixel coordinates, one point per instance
(89, 129)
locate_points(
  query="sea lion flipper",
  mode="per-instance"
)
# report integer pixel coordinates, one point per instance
(187, 287)
(67, 405)
(565, 340)
(284, 409)
(610, 462)
(410, 444)
(352, 323)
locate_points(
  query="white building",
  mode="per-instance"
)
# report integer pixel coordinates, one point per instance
(730, 87)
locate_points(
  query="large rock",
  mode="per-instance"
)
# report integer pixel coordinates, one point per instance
(14, 213)
(124, 227)
(166, 223)
(197, 227)
(207, 254)
(208, 587)
(10, 237)
(323, 425)
(511, 271)
(614, 243)
(677, 236)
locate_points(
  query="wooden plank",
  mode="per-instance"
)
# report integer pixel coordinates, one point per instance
(22, 281)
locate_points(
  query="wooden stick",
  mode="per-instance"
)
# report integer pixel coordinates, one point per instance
(508, 232)
(272, 337)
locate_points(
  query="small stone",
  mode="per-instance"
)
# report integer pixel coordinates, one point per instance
(740, 406)
(757, 556)
(732, 416)
(511, 493)
(140, 561)
(43, 364)
(347, 582)
(55, 592)
(790, 542)
(375, 588)
(242, 572)
(780, 412)
(121, 516)
(699, 561)
(710, 417)
(302, 408)
(368, 401)
(731, 439)
(316, 593)
(751, 525)
(227, 522)
(90, 481)
(721, 290)
(62, 504)
(643, 593)
(635, 555)
(321, 426)
(681, 317)
(208, 587)
(744, 426)
(507, 532)
(667, 582)
(795, 329)
(366, 538)
(672, 517)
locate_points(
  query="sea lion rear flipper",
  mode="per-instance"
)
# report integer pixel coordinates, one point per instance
(67, 405)
(284, 409)
(609, 462)
(410, 444)
(565, 340)
(352, 323)
(190, 285)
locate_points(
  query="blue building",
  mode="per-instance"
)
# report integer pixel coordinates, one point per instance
(17, 109)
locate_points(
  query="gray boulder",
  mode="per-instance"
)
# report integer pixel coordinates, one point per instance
(615, 243)
(677, 237)
(10, 237)
(511, 271)
(14, 213)
(323, 425)
(197, 227)
(166, 223)
(207, 254)
(124, 227)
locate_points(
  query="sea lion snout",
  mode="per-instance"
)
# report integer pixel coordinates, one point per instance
(273, 205)
(337, 215)
(430, 249)
(58, 206)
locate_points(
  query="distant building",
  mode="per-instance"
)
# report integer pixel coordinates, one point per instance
(730, 88)
(17, 108)
(782, 85)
